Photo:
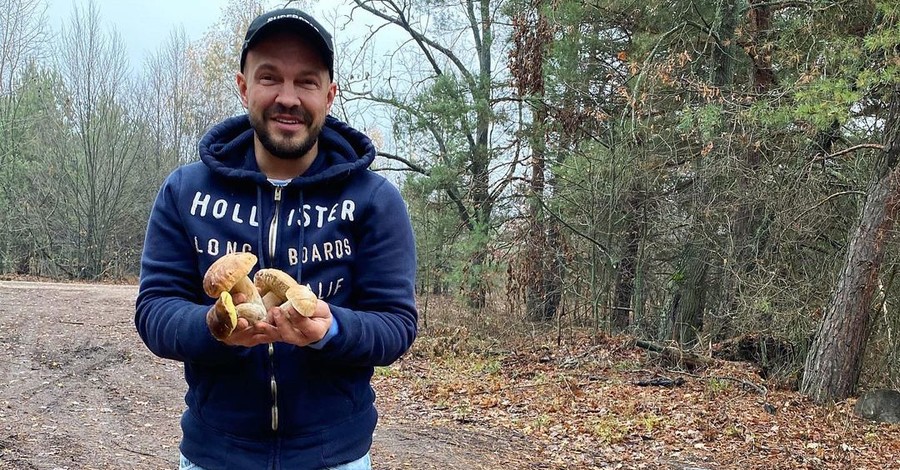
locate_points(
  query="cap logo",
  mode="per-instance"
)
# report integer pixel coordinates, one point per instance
(296, 17)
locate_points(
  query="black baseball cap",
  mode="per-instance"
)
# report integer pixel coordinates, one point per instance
(291, 19)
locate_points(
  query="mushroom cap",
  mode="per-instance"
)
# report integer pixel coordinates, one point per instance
(302, 299)
(226, 271)
(273, 280)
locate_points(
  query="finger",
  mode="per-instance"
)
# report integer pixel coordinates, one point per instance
(253, 336)
(287, 330)
(264, 328)
(292, 316)
(242, 324)
(287, 312)
(280, 317)
(239, 298)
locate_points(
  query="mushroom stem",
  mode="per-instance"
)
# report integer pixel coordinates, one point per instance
(246, 287)
(253, 312)
(271, 299)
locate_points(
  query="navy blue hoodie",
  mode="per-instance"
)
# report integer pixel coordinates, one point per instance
(339, 228)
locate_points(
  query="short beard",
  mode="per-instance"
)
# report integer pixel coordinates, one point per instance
(285, 149)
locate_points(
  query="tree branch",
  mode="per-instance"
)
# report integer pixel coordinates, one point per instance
(421, 40)
(851, 149)
(409, 163)
(587, 237)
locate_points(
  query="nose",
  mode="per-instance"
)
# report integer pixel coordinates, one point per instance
(288, 96)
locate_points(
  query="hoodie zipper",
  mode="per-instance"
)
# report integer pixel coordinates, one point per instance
(273, 227)
(274, 388)
(273, 239)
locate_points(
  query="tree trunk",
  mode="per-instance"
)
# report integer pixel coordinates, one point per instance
(760, 50)
(481, 158)
(543, 289)
(723, 51)
(626, 268)
(689, 301)
(540, 276)
(833, 363)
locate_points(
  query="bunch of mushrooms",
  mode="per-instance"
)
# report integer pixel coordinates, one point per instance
(229, 276)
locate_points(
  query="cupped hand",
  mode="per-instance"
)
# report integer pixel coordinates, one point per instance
(298, 330)
(248, 335)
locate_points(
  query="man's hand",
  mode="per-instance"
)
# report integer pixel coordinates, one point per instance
(244, 333)
(248, 335)
(298, 330)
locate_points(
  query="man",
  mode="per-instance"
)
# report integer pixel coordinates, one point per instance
(290, 184)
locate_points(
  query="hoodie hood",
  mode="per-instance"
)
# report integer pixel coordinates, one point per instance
(227, 149)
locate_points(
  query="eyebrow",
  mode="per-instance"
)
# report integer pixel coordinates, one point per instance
(264, 67)
(269, 67)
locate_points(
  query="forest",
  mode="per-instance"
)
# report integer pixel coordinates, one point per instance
(690, 173)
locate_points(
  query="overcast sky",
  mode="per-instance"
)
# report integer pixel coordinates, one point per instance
(145, 24)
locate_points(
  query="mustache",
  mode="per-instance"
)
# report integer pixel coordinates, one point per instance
(295, 111)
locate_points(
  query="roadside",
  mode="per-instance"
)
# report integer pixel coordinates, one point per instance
(80, 390)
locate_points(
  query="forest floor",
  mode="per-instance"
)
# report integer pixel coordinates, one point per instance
(79, 390)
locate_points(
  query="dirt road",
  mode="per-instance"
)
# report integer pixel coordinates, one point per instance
(78, 389)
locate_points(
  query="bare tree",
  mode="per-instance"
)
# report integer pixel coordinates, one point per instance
(22, 34)
(97, 151)
(168, 84)
(217, 57)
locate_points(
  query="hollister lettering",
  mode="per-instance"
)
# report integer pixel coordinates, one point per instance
(204, 206)
(221, 208)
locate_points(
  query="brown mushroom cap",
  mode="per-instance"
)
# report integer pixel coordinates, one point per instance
(227, 271)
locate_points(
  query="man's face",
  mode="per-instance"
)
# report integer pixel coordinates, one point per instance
(287, 91)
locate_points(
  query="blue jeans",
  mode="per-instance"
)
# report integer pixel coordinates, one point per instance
(364, 463)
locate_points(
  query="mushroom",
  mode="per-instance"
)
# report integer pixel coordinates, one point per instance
(226, 277)
(278, 288)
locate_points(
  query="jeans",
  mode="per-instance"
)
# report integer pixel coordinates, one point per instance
(364, 463)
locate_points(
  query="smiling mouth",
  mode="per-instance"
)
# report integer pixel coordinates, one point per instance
(289, 121)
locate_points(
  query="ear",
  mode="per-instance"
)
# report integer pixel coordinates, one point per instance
(242, 88)
(332, 92)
